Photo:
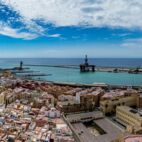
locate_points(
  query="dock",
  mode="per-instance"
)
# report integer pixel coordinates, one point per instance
(35, 74)
(22, 72)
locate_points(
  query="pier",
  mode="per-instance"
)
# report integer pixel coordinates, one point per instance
(24, 72)
(55, 66)
(96, 68)
(35, 74)
(135, 71)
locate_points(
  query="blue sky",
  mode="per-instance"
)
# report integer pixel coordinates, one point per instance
(68, 28)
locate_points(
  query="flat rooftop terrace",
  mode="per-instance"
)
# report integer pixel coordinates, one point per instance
(111, 129)
(83, 115)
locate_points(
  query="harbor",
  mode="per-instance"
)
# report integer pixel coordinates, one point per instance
(87, 67)
(65, 72)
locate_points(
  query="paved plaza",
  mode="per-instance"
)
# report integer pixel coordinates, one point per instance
(112, 131)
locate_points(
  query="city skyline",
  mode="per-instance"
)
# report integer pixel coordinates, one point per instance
(109, 29)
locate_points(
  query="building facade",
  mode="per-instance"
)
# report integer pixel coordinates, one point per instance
(108, 105)
(129, 116)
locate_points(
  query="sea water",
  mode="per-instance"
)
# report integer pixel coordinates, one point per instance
(75, 76)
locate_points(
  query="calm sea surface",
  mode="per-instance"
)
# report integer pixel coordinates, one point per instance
(74, 75)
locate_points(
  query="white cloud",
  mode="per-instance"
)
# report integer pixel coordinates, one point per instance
(113, 13)
(8, 31)
(55, 35)
(95, 13)
(121, 34)
(132, 43)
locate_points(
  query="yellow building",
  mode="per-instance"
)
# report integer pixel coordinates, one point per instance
(7, 73)
(2, 98)
(86, 100)
(129, 116)
(2, 89)
(109, 103)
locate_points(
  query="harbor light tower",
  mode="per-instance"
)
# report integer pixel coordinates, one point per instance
(21, 65)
